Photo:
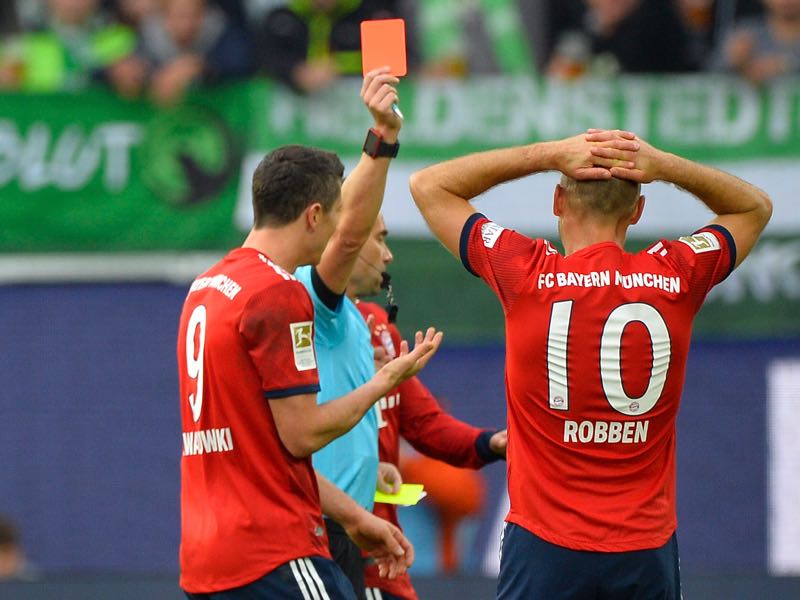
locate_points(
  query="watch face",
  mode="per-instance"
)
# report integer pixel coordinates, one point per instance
(372, 143)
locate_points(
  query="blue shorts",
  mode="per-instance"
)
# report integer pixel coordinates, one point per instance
(533, 569)
(313, 578)
(378, 594)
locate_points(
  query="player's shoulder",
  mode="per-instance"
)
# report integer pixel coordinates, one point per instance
(488, 237)
(278, 300)
(712, 238)
(708, 250)
(260, 276)
(491, 232)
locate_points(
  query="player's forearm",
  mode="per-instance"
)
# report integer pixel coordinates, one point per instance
(336, 504)
(445, 438)
(469, 176)
(335, 418)
(723, 193)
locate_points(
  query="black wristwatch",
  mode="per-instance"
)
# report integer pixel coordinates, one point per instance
(375, 147)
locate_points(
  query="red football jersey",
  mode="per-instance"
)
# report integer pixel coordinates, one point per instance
(247, 505)
(411, 411)
(596, 348)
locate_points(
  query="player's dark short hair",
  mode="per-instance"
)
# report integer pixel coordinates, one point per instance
(291, 178)
(605, 197)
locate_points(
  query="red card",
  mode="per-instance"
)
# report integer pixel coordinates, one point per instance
(383, 43)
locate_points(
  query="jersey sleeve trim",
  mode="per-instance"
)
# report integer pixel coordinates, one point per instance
(463, 244)
(731, 245)
(483, 448)
(294, 391)
(327, 296)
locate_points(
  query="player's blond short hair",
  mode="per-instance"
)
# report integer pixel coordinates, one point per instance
(610, 198)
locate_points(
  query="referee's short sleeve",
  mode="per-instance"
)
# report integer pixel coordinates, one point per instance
(330, 324)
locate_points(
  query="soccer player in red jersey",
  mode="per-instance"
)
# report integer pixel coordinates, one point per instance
(251, 503)
(596, 348)
(410, 410)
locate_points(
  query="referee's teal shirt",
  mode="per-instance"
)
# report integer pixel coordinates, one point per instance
(345, 361)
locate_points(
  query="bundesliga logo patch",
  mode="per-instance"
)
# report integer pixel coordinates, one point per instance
(701, 242)
(303, 345)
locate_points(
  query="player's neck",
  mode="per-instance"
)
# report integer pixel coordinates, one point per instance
(279, 244)
(588, 234)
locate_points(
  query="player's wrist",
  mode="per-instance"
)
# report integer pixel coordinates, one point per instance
(388, 133)
(350, 517)
(377, 146)
(667, 166)
(483, 447)
(542, 156)
(385, 380)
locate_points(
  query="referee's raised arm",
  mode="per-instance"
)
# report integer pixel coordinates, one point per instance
(363, 189)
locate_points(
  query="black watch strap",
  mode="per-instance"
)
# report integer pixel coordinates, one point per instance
(375, 147)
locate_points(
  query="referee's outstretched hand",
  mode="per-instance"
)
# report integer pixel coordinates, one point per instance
(407, 364)
(384, 542)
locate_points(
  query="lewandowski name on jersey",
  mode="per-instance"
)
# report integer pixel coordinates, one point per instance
(208, 440)
(671, 285)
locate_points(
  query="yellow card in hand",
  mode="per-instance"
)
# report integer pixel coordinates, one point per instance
(409, 495)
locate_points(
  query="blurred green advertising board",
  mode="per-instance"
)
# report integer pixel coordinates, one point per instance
(90, 173)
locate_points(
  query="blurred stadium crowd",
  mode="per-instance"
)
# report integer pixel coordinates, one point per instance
(162, 48)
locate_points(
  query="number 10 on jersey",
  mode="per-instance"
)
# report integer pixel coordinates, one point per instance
(610, 356)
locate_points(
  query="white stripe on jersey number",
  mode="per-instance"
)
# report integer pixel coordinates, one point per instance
(610, 356)
(194, 366)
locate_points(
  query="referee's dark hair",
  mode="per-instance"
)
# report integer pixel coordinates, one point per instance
(291, 178)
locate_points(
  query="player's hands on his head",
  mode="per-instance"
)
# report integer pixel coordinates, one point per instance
(642, 165)
(499, 442)
(384, 542)
(389, 478)
(575, 156)
(378, 92)
(407, 364)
